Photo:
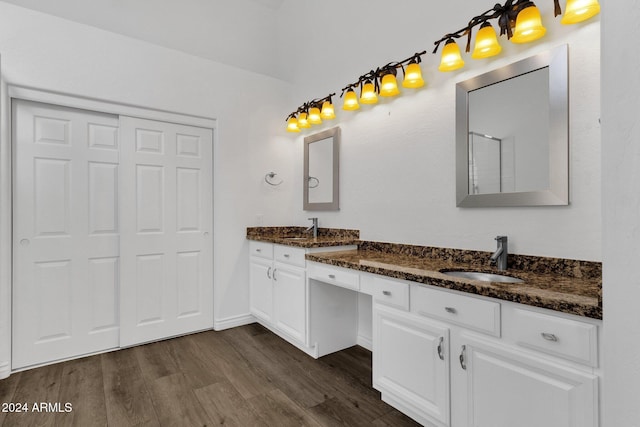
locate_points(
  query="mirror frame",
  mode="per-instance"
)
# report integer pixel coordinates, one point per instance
(334, 205)
(558, 193)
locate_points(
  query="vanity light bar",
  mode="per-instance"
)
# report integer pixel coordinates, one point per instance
(519, 19)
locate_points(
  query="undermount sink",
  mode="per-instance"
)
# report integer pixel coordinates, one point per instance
(484, 277)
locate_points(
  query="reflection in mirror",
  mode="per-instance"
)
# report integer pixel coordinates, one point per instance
(512, 134)
(320, 181)
(509, 152)
(321, 171)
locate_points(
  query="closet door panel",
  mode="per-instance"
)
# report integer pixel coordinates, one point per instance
(65, 232)
(167, 182)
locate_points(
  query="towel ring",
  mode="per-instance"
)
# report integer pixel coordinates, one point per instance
(268, 178)
(311, 179)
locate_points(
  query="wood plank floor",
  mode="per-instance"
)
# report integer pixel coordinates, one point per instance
(245, 376)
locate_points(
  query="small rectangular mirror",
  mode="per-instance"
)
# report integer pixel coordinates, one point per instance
(321, 171)
(512, 137)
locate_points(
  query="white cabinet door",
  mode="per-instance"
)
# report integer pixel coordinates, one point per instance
(505, 388)
(167, 246)
(289, 301)
(260, 288)
(411, 364)
(66, 233)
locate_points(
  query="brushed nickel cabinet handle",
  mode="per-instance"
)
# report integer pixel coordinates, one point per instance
(258, 250)
(549, 337)
(274, 274)
(269, 273)
(440, 352)
(332, 276)
(450, 310)
(286, 255)
(463, 361)
(387, 293)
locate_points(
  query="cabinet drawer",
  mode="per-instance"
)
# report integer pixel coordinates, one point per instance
(261, 249)
(472, 313)
(289, 255)
(566, 338)
(386, 291)
(334, 275)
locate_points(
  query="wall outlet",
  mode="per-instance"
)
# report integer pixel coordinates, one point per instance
(259, 219)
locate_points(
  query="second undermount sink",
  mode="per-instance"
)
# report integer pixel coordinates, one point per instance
(484, 277)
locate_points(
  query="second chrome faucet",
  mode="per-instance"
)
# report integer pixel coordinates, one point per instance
(499, 257)
(313, 227)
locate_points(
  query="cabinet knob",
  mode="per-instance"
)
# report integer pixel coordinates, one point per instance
(387, 293)
(549, 337)
(450, 310)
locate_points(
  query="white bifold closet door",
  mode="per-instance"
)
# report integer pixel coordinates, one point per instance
(66, 233)
(166, 241)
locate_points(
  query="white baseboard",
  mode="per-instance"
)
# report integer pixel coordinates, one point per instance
(365, 342)
(232, 322)
(5, 370)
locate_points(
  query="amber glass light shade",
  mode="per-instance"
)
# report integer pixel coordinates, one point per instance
(292, 125)
(350, 101)
(413, 76)
(579, 10)
(368, 95)
(486, 42)
(303, 123)
(314, 116)
(451, 58)
(389, 85)
(327, 112)
(528, 25)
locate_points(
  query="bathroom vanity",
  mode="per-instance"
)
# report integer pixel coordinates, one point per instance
(447, 351)
(278, 291)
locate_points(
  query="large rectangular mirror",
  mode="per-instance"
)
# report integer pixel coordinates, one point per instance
(321, 171)
(512, 136)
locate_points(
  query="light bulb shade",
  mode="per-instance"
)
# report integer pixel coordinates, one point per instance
(303, 122)
(327, 112)
(389, 85)
(292, 125)
(413, 76)
(451, 58)
(368, 95)
(350, 101)
(579, 10)
(528, 25)
(486, 42)
(314, 116)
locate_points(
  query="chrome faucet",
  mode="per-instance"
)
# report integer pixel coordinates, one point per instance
(499, 257)
(314, 227)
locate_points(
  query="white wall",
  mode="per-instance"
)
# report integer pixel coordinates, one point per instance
(241, 33)
(397, 158)
(621, 213)
(51, 53)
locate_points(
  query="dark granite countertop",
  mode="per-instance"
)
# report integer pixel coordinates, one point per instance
(298, 237)
(568, 286)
